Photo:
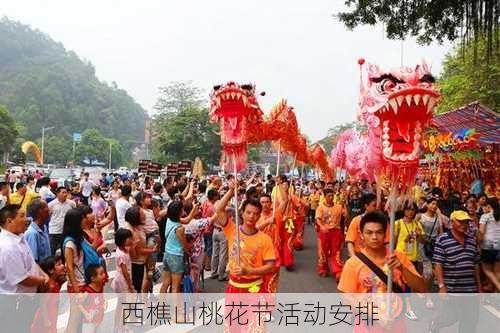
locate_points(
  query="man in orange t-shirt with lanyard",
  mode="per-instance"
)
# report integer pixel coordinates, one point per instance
(366, 273)
(353, 237)
(330, 235)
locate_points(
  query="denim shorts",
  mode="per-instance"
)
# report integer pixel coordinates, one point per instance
(173, 263)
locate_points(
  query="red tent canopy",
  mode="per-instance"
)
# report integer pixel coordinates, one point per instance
(473, 115)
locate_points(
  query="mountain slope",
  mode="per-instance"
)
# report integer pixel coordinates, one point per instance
(43, 84)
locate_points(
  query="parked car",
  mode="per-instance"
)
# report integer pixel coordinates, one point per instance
(64, 177)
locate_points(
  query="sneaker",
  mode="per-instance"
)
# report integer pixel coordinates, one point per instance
(214, 276)
(429, 304)
(411, 315)
(225, 278)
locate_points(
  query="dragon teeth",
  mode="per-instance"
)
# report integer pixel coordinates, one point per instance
(245, 100)
(416, 98)
(425, 99)
(430, 106)
(394, 105)
(400, 100)
(408, 99)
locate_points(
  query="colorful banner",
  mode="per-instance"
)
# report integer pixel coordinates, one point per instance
(465, 139)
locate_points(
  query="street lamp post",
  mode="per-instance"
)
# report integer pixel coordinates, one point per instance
(109, 160)
(43, 138)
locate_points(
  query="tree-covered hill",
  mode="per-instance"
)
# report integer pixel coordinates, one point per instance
(43, 84)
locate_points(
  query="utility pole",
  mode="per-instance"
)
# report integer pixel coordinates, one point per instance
(43, 138)
(109, 165)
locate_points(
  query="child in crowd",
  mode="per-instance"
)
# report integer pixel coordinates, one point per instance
(92, 303)
(46, 317)
(122, 283)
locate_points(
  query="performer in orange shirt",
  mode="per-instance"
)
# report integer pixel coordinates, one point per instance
(287, 205)
(249, 262)
(256, 250)
(267, 224)
(330, 236)
(353, 235)
(366, 272)
(300, 221)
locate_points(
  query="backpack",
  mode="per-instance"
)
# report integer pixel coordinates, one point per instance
(90, 255)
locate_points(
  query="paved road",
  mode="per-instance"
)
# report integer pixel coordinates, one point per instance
(302, 280)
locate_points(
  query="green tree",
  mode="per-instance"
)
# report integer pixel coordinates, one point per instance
(16, 155)
(429, 20)
(463, 81)
(119, 155)
(57, 150)
(180, 127)
(93, 146)
(8, 130)
(178, 96)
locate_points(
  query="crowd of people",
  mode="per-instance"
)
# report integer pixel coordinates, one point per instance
(444, 241)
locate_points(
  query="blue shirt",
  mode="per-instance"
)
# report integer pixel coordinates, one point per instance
(458, 261)
(172, 243)
(38, 241)
(476, 187)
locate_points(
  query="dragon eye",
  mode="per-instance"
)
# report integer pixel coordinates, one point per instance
(387, 84)
(217, 87)
(246, 87)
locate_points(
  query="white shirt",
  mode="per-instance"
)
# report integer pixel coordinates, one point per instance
(491, 239)
(16, 264)
(86, 187)
(57, 212)
(121, 208)
(3, 201)
(77, 263)
(46, 193)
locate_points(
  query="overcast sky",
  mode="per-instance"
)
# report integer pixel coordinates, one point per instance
(292, 49)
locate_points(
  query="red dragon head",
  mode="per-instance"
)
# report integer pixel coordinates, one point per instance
(235, 108)
(396, 106)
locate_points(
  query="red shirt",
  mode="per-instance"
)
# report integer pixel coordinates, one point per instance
(52, 303)
(94, 304)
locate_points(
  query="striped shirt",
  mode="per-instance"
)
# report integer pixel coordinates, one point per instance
(458, 262)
